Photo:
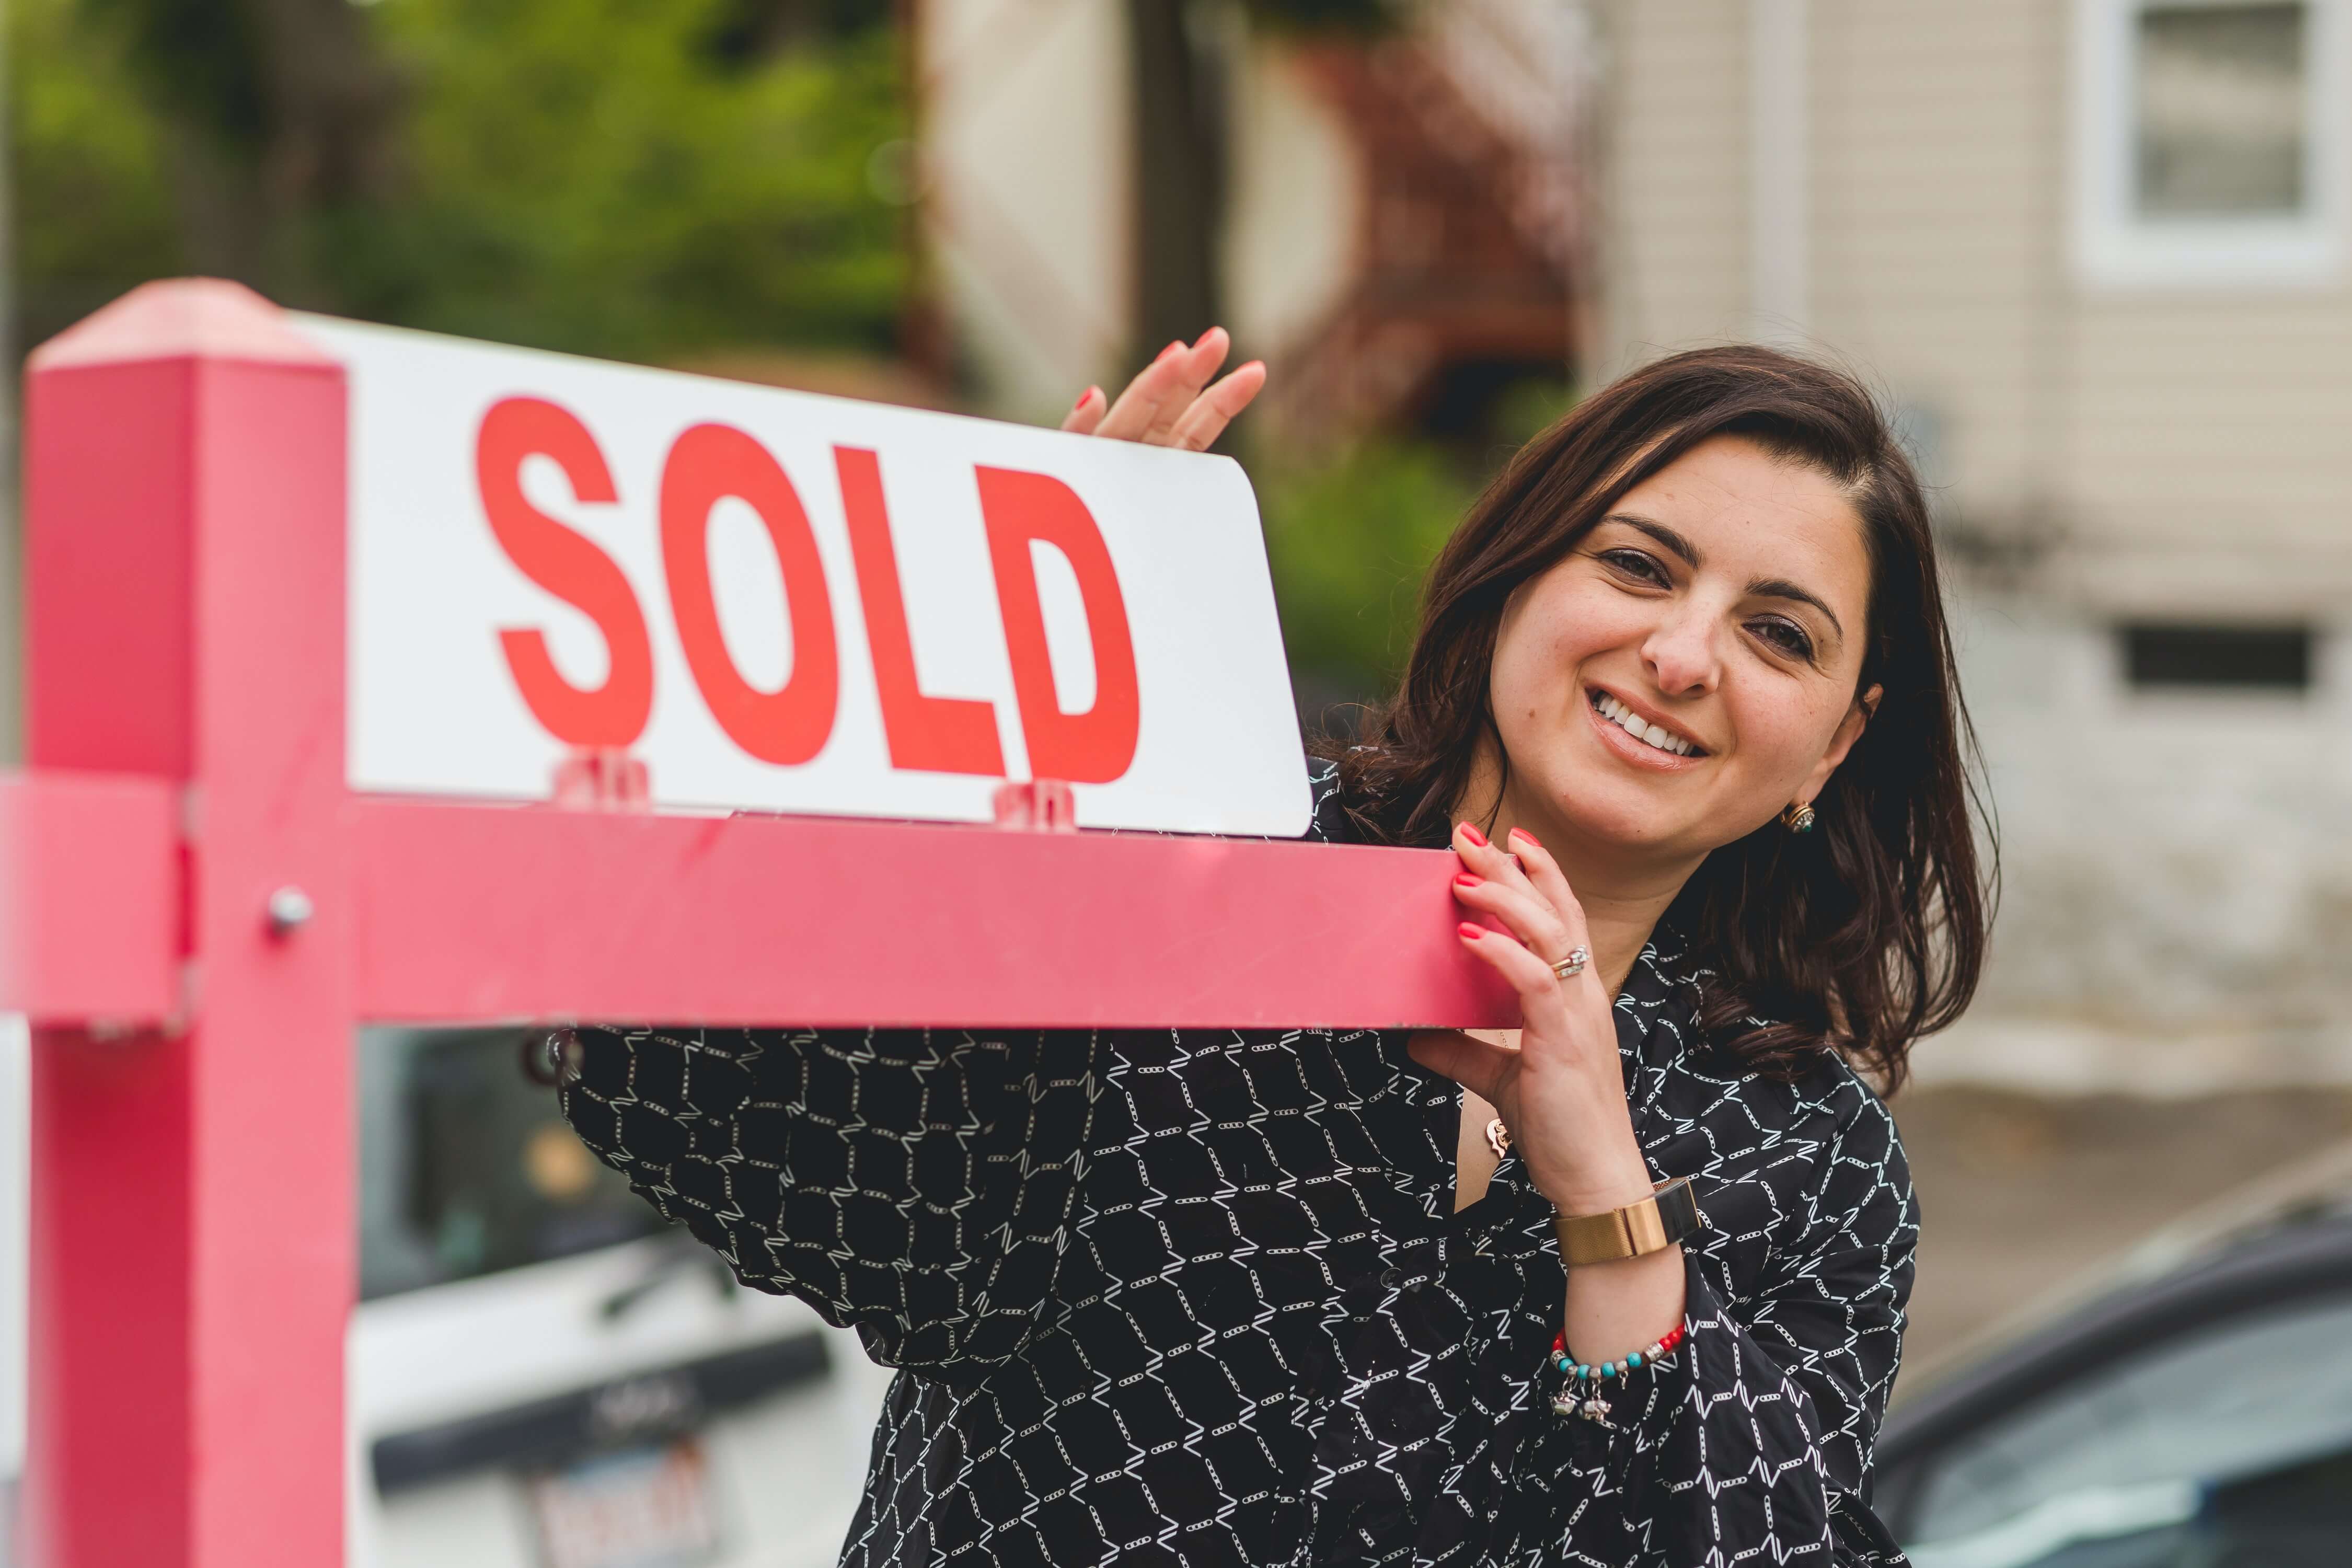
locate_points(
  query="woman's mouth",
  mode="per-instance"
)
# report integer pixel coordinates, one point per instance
(1657, 737)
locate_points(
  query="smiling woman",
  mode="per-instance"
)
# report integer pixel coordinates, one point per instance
(1727, 546)
(1625, 1286)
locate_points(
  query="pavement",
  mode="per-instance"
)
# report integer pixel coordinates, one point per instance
(2020, 1193)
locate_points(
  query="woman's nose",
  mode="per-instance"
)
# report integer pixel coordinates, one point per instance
(1682, 656)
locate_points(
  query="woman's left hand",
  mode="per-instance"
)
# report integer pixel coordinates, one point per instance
(1171, 401)
(1560, 1090)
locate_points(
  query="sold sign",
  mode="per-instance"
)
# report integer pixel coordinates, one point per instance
(783, 602)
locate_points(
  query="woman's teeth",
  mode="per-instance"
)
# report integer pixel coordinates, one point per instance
(1634, 724)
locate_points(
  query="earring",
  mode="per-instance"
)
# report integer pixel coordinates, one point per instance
(1799, 816)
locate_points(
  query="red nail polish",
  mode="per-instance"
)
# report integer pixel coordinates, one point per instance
(1466, 881)
(1470, 831)
(1522, 833)
(1083, 397)
(1470, 932)
(1176, 347)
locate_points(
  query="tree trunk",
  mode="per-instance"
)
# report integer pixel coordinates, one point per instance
(1178, 176)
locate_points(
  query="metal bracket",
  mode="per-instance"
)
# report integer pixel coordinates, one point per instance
(602, 778)
(1036, 805)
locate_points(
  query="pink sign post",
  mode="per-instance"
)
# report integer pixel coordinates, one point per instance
(198, 909)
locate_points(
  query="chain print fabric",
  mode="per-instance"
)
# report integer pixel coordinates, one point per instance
(1200, 1297)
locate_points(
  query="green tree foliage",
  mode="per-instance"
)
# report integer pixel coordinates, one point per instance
(1350, 542)
(620, 177)
(591, 174)
(94, 210)
(1351, 538)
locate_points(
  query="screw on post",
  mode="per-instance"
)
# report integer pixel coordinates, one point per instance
(289, 907)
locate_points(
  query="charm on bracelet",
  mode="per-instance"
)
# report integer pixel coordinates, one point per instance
(1569, 1402)
(1581, 1382)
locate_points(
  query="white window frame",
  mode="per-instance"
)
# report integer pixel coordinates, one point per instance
(2116, 247)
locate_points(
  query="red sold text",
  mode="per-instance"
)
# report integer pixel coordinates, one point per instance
(789, 725)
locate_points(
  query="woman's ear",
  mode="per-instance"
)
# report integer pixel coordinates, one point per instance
(1849, 731)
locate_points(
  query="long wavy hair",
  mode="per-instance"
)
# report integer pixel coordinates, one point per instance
(1857, 938)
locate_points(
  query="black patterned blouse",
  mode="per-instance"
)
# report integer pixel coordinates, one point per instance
(1198, 1296)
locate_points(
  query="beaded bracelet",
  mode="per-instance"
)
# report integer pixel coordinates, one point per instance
(1581, 1393)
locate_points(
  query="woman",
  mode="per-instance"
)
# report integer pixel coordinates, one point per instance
(1683, 705)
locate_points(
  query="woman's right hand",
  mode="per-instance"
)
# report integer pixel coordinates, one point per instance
(1171, 403)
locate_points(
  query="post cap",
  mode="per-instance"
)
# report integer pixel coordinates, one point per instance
(180, 318)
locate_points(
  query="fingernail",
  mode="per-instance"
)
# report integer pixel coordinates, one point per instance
(1084, 398)
(1470, 932)
(1466, 881)
(1521, 832)
(1477, 839)
(1176, 347)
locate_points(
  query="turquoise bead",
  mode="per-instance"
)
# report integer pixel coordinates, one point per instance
(1565, 1364)
(1634, 1360)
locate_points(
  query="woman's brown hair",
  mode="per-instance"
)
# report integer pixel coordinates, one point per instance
(1859, 937)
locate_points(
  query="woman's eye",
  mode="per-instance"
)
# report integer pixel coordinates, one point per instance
(1635, 564)
(1787, 636)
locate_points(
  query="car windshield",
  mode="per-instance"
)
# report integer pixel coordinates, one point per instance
(465, 1168)
(2230, 1444)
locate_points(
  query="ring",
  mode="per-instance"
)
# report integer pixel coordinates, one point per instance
(1574, 964)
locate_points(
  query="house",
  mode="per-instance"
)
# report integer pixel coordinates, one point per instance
(2094, 253)
(1398, 236)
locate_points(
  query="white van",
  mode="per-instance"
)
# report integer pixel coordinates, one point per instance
(541, 1374)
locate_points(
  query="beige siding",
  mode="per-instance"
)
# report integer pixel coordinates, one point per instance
(1674, 117)
(2212, 456)
(1297, 195)
(1025, 111)
(2175, 446)
(1934, 138)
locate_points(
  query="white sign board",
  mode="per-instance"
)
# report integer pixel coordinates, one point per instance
(782, 602)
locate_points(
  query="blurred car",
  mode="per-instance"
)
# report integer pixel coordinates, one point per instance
(542, 1373)
(2192, 1409)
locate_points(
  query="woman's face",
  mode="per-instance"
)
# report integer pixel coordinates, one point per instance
(1690, 668)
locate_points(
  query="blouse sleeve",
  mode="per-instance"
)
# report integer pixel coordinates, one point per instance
(1758, 1431)
(916, 1185)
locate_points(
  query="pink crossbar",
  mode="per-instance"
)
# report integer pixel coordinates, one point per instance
(466, 913)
